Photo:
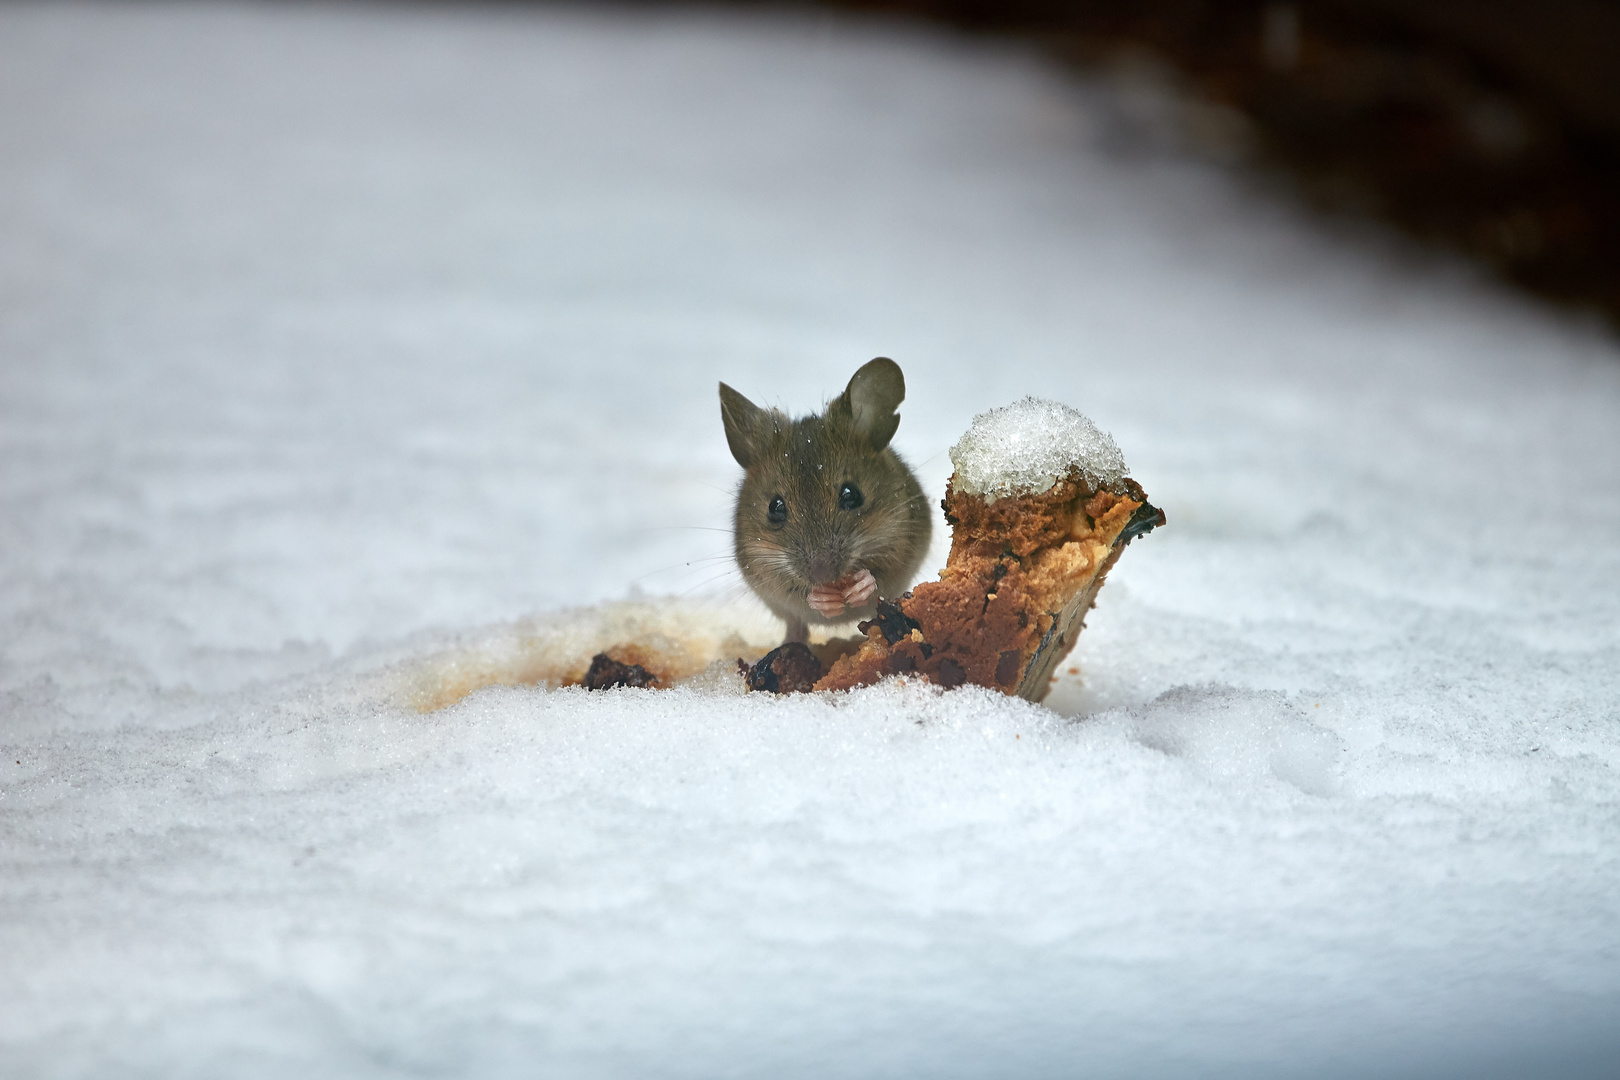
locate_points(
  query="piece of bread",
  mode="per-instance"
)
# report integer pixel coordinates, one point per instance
(1024, 566)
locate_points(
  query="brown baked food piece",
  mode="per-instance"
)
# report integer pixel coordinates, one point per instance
(605, 673)
(1023, 571)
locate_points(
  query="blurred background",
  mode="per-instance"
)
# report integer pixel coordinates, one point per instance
(1488, 127)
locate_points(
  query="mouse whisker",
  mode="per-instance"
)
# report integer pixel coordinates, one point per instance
(700, 586)
(684, 562)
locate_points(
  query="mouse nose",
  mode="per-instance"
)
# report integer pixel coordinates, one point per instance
(821, 569)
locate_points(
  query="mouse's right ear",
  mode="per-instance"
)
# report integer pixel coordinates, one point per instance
(872, 397)
(745, 423)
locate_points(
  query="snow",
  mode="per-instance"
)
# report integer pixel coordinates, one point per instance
(356, 356)
(1022, 449)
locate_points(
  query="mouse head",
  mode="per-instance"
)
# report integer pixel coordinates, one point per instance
(823, 496)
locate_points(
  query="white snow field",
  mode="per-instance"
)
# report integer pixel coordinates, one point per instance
(343, 346)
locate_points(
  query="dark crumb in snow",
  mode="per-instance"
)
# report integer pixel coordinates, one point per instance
(606, 673)
(786, 669)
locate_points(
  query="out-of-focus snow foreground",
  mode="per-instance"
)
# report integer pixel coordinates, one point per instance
(339, 340)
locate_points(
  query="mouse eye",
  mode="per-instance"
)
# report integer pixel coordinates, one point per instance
(850, 497)
(776, 513)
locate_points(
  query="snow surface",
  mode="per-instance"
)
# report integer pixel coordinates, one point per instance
(1022, 449)
(345, 348)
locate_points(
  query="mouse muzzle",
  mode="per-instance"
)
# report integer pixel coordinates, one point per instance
(822, 569)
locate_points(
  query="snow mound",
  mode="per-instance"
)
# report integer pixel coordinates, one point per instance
(1242, 737)
(1026, 447)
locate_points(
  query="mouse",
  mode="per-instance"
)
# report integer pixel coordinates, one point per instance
(829, 518)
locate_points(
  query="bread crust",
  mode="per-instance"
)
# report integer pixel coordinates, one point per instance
(1022, 573)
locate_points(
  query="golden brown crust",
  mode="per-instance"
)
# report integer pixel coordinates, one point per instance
(1021, 574)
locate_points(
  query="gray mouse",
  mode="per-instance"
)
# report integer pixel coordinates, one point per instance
(828, 517)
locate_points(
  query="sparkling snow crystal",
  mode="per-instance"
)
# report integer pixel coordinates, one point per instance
(1023, 448)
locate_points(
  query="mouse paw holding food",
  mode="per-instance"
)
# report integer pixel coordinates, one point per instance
(854, 591)
(828, 516)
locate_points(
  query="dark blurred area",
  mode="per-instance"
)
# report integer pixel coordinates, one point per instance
(1491, 127)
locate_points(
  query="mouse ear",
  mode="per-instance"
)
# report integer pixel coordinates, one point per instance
(876, 390)
(744, 422)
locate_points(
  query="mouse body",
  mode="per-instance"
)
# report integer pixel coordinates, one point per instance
(828, 518)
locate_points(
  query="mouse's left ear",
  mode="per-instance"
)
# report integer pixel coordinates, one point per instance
(745, 423)
(871, 397)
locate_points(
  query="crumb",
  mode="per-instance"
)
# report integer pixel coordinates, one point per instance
(787, 669)
(606, 672)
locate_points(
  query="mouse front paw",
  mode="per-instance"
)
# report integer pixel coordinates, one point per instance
(851, 591)
(860, 588)
(828, 599)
